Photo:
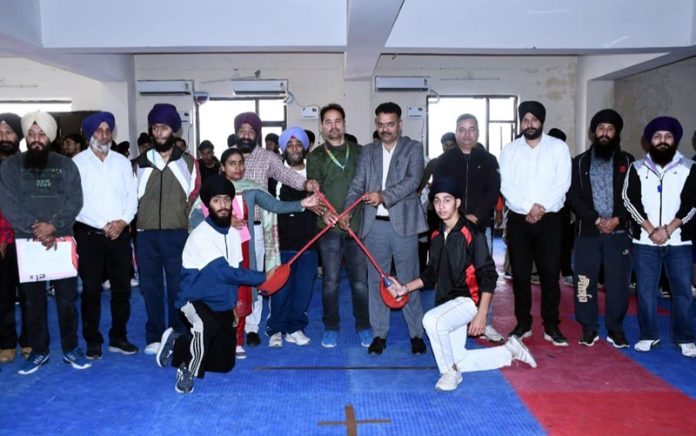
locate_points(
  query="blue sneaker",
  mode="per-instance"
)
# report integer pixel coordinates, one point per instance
(33, 363)
(365, 337)
(330, 339)
(77, 359)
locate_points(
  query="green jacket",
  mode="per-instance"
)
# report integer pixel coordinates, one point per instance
(333, 180)
(165, 191)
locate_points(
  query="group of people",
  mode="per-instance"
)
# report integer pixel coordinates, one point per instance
(209, 233)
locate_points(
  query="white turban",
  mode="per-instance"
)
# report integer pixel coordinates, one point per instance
(43, 120)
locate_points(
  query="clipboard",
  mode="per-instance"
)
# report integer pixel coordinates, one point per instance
(36, 264)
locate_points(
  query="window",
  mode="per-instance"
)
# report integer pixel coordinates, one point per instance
(216, 118)
(496, 115)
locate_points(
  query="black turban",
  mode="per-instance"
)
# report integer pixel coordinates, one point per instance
(15, 123)
(216, 185)
(558, 133)
(607, 116)
(535, 108)
(445, 184)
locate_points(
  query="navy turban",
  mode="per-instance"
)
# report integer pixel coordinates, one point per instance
(164, 113)
(663, 123)
(92, 122)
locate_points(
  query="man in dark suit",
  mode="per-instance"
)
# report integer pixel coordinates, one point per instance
(389, 171)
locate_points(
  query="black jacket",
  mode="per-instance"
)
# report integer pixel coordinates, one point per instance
(462, 267)
(580, 193)
(478, 178)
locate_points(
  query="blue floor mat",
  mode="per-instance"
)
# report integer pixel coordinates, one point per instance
(273, 390)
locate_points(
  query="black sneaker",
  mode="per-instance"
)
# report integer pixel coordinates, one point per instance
(521, 332)
(253, 339)
(418, 346)
(184, 380)
(377, 346)
(94, 352)
(588, 338)
(617, 339)
(555, 336)
(166, 349)
(122, 346)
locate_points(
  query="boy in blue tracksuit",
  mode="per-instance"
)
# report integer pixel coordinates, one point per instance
(207, 298)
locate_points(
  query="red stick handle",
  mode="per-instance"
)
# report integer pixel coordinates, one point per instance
(325, 229)
(354, 236)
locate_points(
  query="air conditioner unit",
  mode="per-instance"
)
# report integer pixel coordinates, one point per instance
(164, 87)
(260, 87)
(401, 84)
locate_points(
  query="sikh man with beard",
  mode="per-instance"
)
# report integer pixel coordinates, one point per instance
(603, 238)
(40, 195)
(206, 302)
(289, 305)
(166, 190)
(101, 231)
(535, 176)
(660, 194)
(10, 135)
(261, 165)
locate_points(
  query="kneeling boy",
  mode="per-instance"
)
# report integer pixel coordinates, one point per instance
(208, 294)
(463, 274)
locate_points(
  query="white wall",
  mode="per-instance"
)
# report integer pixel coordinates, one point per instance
(550, 80)
(24, 79)
(670, 90)
(318, 79)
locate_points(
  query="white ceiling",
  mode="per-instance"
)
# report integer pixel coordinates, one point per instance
(99, 38)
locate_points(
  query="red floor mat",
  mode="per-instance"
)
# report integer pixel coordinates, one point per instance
(590, 390)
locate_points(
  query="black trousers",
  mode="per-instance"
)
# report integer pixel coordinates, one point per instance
(66, 296)
(9, 279)
(539, 243)
(567, 242)
(209, 341)
(613, 252)
(102, 257)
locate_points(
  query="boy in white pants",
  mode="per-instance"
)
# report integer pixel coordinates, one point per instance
(463, 274)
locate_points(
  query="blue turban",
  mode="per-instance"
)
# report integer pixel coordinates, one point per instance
(92, 122)
(663, 123)
(164, 113)
(298, 133)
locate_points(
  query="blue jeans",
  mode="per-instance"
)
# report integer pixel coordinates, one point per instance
(336, 248)
(289, 305)
(158, 251)
(648, 261)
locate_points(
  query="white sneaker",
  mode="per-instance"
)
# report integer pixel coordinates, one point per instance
(240, 353)
(688, 350)
(492, 334)
(298, 338)
(151, 348)
(276, 340)
(646, 344)
(134, 283)
(520, 351)
(449, 381)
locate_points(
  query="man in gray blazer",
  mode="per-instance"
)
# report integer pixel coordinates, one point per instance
(389, 171)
